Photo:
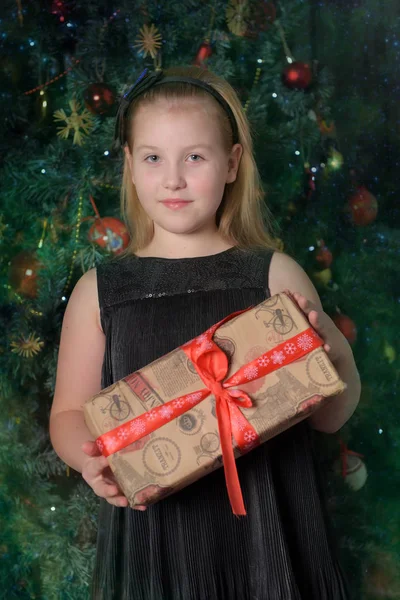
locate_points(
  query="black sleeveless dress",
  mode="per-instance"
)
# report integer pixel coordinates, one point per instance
(190, 546)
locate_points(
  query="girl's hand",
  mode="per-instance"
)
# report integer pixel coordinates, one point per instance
(324, 326)
(97, 473)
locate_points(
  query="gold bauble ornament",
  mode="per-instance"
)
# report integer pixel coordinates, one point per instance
(323, 277)
(389, 352)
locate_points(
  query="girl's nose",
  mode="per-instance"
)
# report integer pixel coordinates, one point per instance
(174, 178)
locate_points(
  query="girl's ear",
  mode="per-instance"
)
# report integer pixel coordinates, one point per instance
(234, 162)
(128, 157)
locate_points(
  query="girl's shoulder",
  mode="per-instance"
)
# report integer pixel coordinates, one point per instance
(85, 294)
(285, 273)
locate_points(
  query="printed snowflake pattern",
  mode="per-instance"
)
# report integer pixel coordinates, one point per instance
(250, 436)
(278, 358)
(239, 424)
(151, 415)
(305, 342)
(290, 348)
(236, 380)
(251, 372)
(206, 345)
(166, 412)
(250, 445)
(178, 403)
(193, 398)
(112, 443)
(100, 445)
(203, 348)
(123, 434)
(263, 361)
(137, 427)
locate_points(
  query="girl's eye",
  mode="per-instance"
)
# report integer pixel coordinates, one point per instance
(156, 157)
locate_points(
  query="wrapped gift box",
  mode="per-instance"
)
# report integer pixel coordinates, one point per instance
(240, 383)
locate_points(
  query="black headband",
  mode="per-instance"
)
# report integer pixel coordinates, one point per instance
(145, 81)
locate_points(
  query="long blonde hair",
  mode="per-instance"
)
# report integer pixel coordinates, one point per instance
(243, 216)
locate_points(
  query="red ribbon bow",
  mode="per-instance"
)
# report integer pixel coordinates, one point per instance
(211, 364)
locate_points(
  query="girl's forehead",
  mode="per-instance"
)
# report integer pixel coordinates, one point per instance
(183, 122)
(175, 108)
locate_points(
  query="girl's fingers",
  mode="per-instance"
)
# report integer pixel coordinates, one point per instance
(122, 500)
(109, 476)
(104, 484)
(304, 303)
(308, 307)
(99, 464)
(91, 448)
(114, 496)
(106, 490)
(119, 501)
(111, 493)
(94, 467)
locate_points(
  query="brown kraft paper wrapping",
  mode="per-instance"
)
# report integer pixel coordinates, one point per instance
(188, 448)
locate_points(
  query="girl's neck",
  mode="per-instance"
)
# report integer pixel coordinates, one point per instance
(203, 246)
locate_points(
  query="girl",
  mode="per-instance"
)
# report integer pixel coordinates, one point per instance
(199, 251)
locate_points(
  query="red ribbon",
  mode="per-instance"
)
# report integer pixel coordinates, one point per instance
(211, 364)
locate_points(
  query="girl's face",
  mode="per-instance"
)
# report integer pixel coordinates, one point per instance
(179, 165)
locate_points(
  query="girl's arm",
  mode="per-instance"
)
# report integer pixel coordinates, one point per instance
(79, 366)
(286, 274)
(80, 361)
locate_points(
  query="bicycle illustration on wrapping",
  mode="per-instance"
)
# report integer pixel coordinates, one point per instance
(118, 409)
(281, 322)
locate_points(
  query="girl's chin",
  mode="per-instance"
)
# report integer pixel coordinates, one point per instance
(181, 226)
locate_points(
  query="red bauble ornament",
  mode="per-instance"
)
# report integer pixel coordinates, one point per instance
(99, 99)
(262, 16)
(363, 207)
(109, 233)
(323, 255)
(23, 272)
(204, 52)
(346, 326)
(309, 183)
(58, 8)
(297, 76)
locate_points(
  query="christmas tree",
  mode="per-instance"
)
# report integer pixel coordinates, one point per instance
(318, 83)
